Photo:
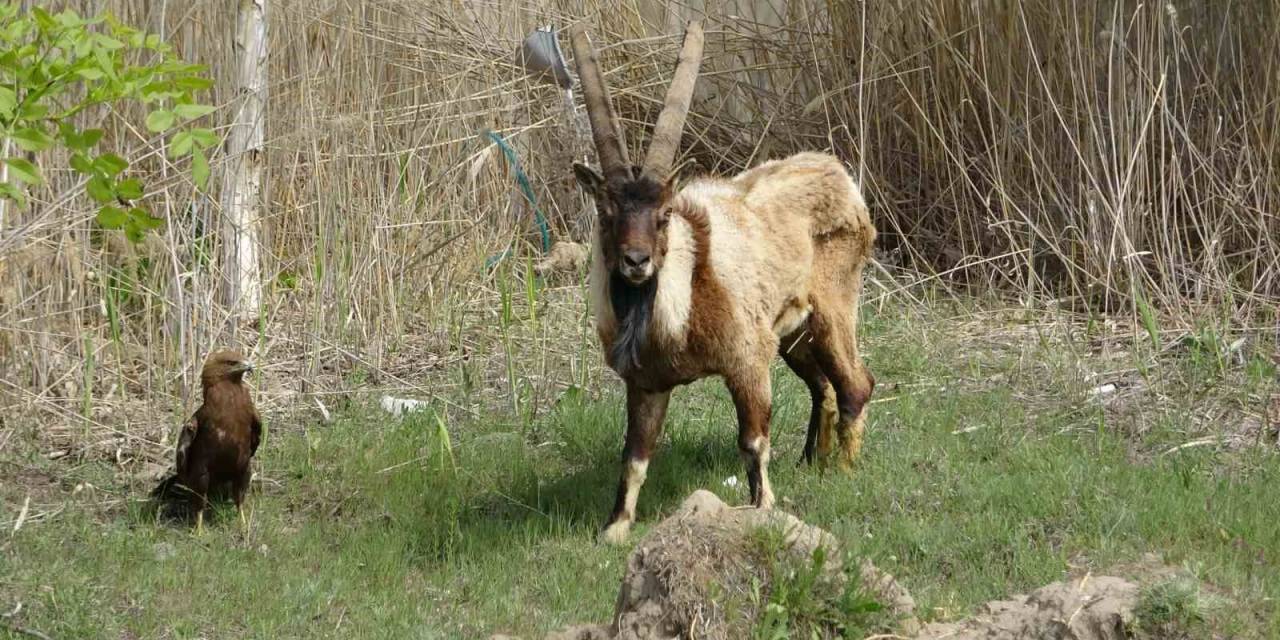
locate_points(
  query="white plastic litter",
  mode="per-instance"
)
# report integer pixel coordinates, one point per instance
(400, 406)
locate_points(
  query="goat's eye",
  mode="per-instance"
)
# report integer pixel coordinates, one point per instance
(664, 217)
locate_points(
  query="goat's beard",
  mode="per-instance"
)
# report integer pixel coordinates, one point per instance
(633, 309)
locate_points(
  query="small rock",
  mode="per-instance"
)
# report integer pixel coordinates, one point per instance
(565, 256)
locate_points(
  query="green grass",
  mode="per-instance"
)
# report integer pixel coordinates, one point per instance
(986, 472)
(806, 598)
(1175, 608)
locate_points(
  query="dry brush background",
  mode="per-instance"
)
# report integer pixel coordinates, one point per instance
(1099, 153)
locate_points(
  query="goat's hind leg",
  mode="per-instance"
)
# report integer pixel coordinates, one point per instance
(835, 349)
(753, 400)
(797, 351)
(646, 411)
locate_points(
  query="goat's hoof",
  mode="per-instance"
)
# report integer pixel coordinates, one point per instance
(616, 533)
(765, 502)
(845, 465)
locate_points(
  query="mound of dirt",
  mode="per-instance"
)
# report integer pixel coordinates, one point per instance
(693, 574)
(1091, 608)
(683, 577)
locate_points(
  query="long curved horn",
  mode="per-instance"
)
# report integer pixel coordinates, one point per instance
(611, 147)
(670, 126)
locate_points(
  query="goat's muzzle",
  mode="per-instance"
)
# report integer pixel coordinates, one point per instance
(636, 266)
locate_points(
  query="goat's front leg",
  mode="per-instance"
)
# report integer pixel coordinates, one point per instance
(645, 412)
(753, 400)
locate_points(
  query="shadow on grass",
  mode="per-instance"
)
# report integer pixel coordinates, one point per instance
(498, 490)
(521, 493)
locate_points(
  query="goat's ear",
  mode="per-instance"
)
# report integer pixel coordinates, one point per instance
(669, 188)
(589, 178)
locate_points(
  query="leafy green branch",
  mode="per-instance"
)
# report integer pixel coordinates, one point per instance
(54, 67)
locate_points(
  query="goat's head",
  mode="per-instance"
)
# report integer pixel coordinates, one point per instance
(633, 203)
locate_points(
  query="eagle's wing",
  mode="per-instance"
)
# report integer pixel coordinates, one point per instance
(185, 439)
(255, 427)
(181, 455)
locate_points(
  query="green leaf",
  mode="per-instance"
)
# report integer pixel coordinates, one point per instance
(89, 73)
(160, 120)
(69, 134)
(200, 169)
(110, 164)
(192, 111)
(84, 46)
(80, 162)
(43, 19)
(10, 61)
(181, 143)
(17, 30)
(69, 19)
(112, 217)
(8, 102)
(134, 233)
(32, 139)
(22, 169)
(79, 140)
(107, 42)
(99, 188)
(105, 62)
(90, 137)
(205, 138)
(130, 189)
(34, 110)
(156, 90)
(193, 83)
(144, 220)
(12, 192)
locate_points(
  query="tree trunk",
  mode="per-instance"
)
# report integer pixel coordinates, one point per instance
(242, 186)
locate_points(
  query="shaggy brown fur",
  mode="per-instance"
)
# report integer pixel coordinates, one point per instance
(718, 277)
(218, 441)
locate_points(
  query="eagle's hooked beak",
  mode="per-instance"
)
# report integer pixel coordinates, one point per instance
(243, 366)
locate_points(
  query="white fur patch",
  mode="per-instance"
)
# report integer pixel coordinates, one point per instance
(760, 447)
(792, 317)
(766, 489)
(674, 298)
(616, 533)
(637, 471)
(734, 256)
(599, 288)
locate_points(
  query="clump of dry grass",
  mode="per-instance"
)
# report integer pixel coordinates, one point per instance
(1109, 154)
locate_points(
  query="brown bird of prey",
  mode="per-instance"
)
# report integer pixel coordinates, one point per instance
(217, 442)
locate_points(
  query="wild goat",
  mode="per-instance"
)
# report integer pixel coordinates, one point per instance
(717, 277)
